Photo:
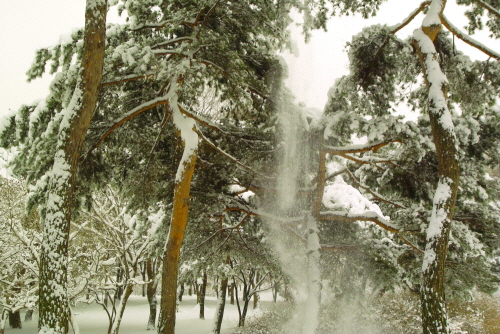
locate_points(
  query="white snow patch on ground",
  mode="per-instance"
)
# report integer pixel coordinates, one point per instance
(92, 319)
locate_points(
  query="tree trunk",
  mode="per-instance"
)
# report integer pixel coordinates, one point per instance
(143, 273)
(181, 292)
(203, 290)
(434, 315)
(119, 289)
(151, 294)
(15, 319)
(175, 238)
(28, 316)
(53, 304)
(241, 321)
(221, 303)
(121, 308)
(3, 320)
(231, 294)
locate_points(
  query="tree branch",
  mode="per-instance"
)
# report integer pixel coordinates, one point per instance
(397, 27)
(129, 115)
(357, 148)
(367, 216)
(467, 39)
(131, 77)
(490, 8)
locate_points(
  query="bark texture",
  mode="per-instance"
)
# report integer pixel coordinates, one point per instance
(434, 315)
(54, 310)
(175, 238)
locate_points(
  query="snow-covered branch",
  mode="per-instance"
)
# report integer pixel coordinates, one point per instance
(370, 216)
(488, 7)
(467, 39)
(397, 27)
(127, 78)
(337, 150)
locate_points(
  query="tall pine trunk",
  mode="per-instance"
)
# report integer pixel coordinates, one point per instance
(54, 311)
(434, 315)
(166, 324)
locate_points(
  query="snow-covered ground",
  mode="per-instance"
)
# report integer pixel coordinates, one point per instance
(92, 319)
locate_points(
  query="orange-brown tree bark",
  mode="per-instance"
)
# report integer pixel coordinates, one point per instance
(166, 322)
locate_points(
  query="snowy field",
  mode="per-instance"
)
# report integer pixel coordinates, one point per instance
(92, 318)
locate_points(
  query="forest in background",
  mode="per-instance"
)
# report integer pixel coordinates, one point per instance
(169, 151)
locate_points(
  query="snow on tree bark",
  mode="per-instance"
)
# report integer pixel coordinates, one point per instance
(53, 303)
(185, 171)
(434, 316)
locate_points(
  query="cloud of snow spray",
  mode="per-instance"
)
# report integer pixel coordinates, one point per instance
(288, 211)
(289, 207)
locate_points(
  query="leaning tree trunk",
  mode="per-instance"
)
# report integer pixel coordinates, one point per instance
(221, 303)
(121, 308)
(434, 316)
(185, 171)
(54, 311)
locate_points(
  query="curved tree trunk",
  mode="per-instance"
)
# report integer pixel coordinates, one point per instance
(166, 323)
(53, 303)
(434, 315)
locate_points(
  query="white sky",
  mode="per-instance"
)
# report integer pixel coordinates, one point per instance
(26, 25)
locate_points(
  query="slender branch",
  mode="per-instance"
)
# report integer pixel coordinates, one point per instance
(367, 216)
(397, 27)
(357, 148)
(373, 193)
(406, 241)
(227, 155)
(153, 25)
(173, 41)
(127, 78)
(128, 116)
(212, 9)
(467, 39)
(487, 6)
(366, 161)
